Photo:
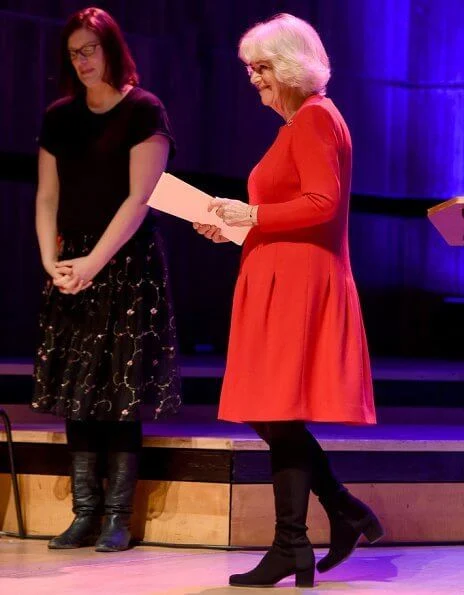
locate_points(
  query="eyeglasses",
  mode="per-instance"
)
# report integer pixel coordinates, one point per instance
(258, 69)
(85, 51)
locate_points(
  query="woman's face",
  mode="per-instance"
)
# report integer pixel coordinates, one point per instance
(281, 98)
(272, 92)
(87, 57)
(262, 77)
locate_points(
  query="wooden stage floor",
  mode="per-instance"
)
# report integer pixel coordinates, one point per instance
(28, 567)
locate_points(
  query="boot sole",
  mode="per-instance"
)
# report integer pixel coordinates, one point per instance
(257, 586)
(108, 549)
(303, 579)
(251, 586)
(71, 547)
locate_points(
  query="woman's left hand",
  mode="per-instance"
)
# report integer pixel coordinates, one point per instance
(79, 273)
(234, 212)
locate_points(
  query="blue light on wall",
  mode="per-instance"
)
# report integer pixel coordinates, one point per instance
(398, 75)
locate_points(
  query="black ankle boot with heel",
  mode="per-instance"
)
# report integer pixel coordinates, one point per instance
(291, 552)
(349, 519)
(277, 564)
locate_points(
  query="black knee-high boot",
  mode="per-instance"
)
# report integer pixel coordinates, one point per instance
(87, 504)
(349, 517)
(123, 442)
(291, 552)
(122, 480)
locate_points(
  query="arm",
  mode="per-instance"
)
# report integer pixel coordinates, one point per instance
(46, 210)
(315, 153)
(147, 162)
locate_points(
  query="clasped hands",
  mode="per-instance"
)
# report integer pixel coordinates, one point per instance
(74, 275)
(233, 212)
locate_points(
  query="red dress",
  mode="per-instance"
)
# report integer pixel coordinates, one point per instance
(297, 348)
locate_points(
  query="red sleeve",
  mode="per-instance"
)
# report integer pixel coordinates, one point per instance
(314, 148)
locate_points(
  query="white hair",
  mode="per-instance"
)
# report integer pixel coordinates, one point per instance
(293, 48)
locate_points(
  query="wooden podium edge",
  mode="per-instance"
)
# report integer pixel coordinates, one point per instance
(444, 205)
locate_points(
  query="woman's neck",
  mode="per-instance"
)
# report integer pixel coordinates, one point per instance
(102, 97)
(290, 105)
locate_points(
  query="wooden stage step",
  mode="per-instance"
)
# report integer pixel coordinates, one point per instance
(204, 482)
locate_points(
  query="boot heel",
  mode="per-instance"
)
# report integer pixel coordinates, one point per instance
(373, 531)
(304, 578)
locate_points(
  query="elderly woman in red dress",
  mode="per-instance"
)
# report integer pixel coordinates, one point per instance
(297, 348)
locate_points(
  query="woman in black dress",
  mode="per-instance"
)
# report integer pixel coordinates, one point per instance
(107, 330)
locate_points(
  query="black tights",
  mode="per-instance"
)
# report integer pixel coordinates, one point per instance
(109, 436)
(292, 444)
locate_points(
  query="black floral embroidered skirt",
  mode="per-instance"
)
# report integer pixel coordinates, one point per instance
(112, 347)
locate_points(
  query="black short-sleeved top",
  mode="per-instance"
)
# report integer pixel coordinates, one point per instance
(92, 154)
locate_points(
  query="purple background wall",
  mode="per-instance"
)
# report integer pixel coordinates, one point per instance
(398, 77)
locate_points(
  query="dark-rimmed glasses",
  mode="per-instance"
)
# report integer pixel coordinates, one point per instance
(85, 51)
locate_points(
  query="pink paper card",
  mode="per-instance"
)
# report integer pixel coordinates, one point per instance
(448, 218)
(175, 197)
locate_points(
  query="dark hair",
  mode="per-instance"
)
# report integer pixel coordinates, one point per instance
(120, 66)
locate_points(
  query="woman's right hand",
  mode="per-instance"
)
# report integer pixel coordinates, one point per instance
(51, 269)
(64, 279)
(211, 232)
